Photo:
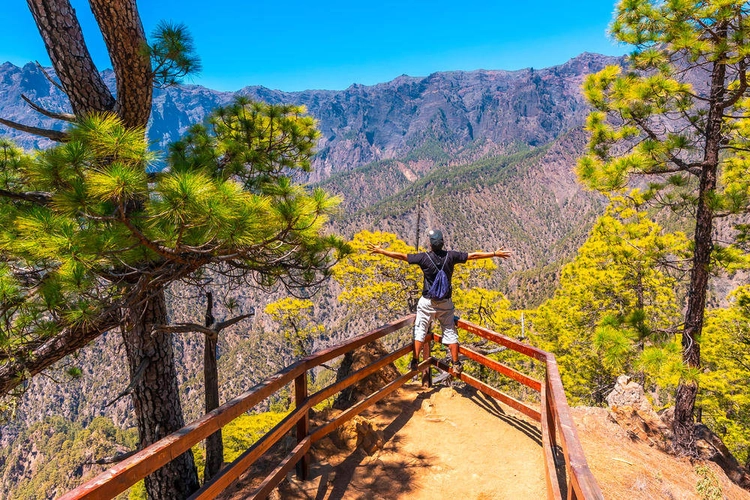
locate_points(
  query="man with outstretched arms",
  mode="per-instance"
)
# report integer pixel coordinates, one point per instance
(437, 290)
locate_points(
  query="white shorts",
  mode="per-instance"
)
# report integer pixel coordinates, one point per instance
(442, 310)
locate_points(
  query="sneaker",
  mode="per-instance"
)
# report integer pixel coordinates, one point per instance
(458, 368)
(413, 364)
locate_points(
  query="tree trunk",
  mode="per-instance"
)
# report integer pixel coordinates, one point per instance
(214, 445)
(123, 33)
(683, 425)
(156, 397)
(62, 35)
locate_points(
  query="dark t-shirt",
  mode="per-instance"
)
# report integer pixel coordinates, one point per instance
(422, 259)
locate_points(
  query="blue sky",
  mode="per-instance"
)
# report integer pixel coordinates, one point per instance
(296, 45)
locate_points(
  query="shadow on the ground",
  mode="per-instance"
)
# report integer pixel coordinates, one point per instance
(336, 482)
(491, 406)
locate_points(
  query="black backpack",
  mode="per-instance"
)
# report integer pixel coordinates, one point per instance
(441, 286)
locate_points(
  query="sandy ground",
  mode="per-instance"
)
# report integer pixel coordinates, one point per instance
(630, 469)
(441, 443)
(457, 444)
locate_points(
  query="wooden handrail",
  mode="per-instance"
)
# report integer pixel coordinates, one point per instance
(554, 416)
(120, 477)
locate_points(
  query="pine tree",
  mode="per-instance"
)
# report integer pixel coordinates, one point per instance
(725, 382)
(91, 240)
(616, 309)
(677, 116)
(137, 67)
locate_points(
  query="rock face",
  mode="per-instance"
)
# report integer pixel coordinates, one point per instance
(630, 408)
(633, 412)
(356, 360)
(359, 432)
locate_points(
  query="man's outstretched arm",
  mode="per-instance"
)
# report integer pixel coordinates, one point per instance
(500, 252)
(387, 253)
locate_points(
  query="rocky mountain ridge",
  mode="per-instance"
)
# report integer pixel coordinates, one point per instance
(361, 124)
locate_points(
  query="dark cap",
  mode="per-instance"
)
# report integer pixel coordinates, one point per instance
(436, 238)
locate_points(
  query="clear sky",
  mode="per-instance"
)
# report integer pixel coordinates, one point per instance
(296, 45)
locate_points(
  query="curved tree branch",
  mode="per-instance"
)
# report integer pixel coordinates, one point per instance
(37, 197)
(114, 459)
(210, 331)
(51, 114)
(49, 78)
(55, 135)
(28, 362)
(186, 328)
(225, 324)
(133, 382)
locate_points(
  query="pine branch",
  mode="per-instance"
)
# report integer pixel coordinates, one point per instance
(32, 359)
(113, 459)
(134, 382)
(55, 135)
(37, 197)
(739, 92)
(68, 117)
(48, 77)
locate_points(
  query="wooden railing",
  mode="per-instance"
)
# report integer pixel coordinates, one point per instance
(558, 430)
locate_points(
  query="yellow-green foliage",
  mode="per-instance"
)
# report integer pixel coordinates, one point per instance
(138, 491)
(239, 435)
(725, 381)
(615, 307)
(371, 283)
(383, 286)
(295, 317)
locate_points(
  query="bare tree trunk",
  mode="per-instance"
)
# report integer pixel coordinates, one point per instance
(123, 33)
(214, 445)
(59, 27)
(156, 397)
(683, 425)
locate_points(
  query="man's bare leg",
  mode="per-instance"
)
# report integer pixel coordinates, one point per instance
(417, 347)
(415, 354)
(456, 365)
(454, 351)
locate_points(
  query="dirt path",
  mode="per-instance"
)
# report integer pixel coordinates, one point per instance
(440, 443)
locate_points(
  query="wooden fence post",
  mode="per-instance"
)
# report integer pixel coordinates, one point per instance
(303, 426)
(551, 409)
